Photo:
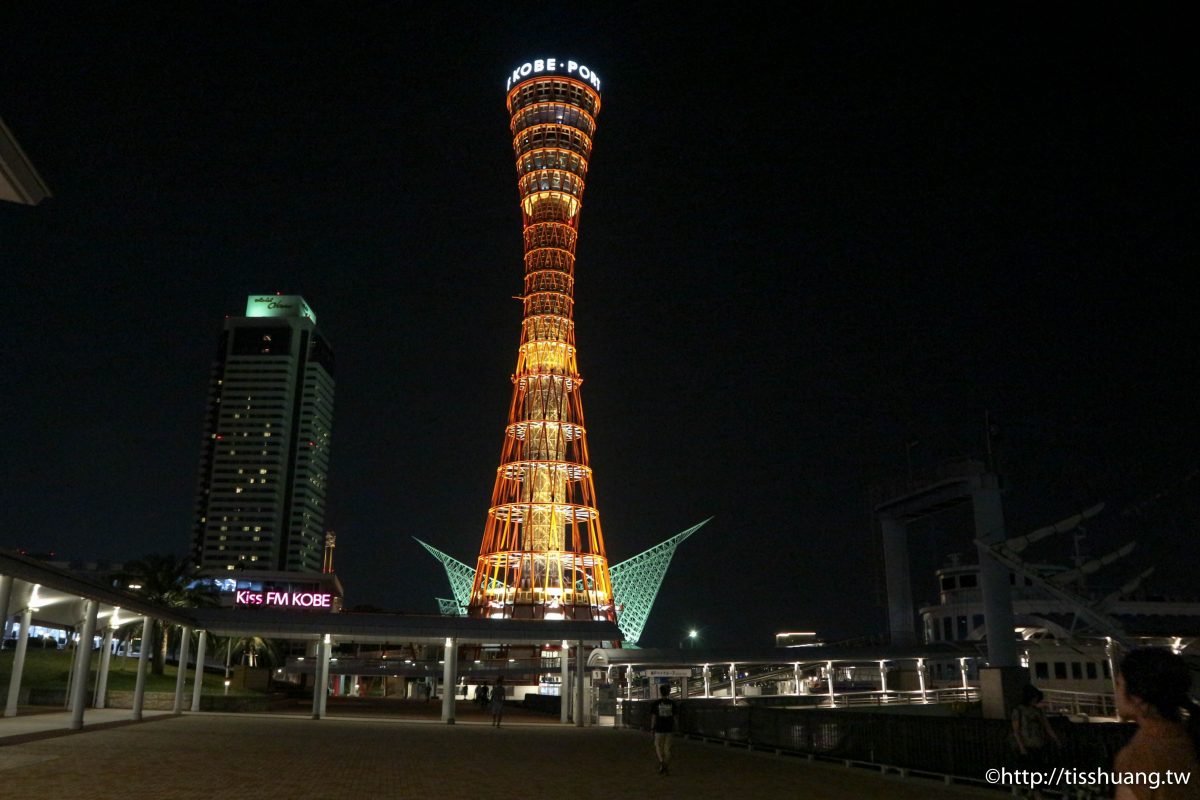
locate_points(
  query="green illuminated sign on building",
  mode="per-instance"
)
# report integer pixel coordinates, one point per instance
(278, 305)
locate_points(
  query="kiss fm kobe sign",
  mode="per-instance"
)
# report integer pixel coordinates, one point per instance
(276, 599)
(572, 69)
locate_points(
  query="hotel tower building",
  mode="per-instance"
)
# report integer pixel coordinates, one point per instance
(260, 500)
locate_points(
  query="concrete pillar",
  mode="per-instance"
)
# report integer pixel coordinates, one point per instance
(449, 680)
(6, 588)
(962, 667)
(921, 678)
(139, 689)
(829, 666)
(74, 657)
(883, 677)
(899, 584)
(580, 667)
(18, 666)
(707, 681)
(317, 688)
(83, 660)
(628, 683)
(198, 675)
(323, 677)
(796, 676)
(185, 645)
(733, 681)
(564, 686)
(993, 576)
(102, 675)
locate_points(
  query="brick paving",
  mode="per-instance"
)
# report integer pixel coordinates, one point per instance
(412, 755)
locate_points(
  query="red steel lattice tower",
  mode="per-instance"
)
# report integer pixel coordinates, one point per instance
(542, 555)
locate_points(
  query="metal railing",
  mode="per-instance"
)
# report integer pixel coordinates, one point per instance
(958, 694)
(1081, 704)
(859, 697)
(951, 747)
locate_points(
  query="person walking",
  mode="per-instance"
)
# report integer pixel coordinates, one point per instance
(497, 701)
(662, 725)
(1152, 691)
(1031, 731)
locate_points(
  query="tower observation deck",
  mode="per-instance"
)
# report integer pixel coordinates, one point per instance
(542, 555)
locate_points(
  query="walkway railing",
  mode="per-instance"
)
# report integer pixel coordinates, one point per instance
(968, 694)
(1090, 704)
(862, 697)
(953, 748)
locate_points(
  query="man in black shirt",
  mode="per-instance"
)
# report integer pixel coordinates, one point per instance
(662, 724)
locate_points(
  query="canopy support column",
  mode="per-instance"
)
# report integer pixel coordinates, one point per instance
(101, 698)
(564, 685)
(139, 689)
(580, 665)
(14, 680)
(326, 655)
(449, 680)
(83, 663)
(185, 645)
(199, 673)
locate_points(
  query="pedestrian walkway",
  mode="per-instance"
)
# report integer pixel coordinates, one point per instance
(41, 724)
(288, 756)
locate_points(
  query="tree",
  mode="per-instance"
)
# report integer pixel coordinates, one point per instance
(251, 651)
(165, 580)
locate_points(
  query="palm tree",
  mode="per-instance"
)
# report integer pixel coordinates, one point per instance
(165, 580)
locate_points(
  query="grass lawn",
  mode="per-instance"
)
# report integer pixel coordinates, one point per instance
(48, 669)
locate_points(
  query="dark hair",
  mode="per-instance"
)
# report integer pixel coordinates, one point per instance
(664, 690)
(1162, 679)
(1030, 694)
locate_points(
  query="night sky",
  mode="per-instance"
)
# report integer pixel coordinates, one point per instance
(811, 253)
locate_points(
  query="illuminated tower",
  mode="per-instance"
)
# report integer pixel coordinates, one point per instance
(542, 555)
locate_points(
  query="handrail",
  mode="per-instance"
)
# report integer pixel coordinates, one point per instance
(953, 746)
(1090, 704)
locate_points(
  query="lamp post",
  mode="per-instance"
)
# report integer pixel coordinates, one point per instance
(693, 634)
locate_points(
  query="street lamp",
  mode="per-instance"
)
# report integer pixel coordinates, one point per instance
(692, 635)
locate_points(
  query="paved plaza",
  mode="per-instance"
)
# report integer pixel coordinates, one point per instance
(290, 757)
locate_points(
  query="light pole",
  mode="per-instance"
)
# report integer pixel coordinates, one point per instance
(693, 634)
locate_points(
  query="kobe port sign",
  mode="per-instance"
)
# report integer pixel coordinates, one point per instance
(542, 66)
(245, 597)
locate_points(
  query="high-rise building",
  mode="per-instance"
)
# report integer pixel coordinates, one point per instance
(542, 555)
(260, 502)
